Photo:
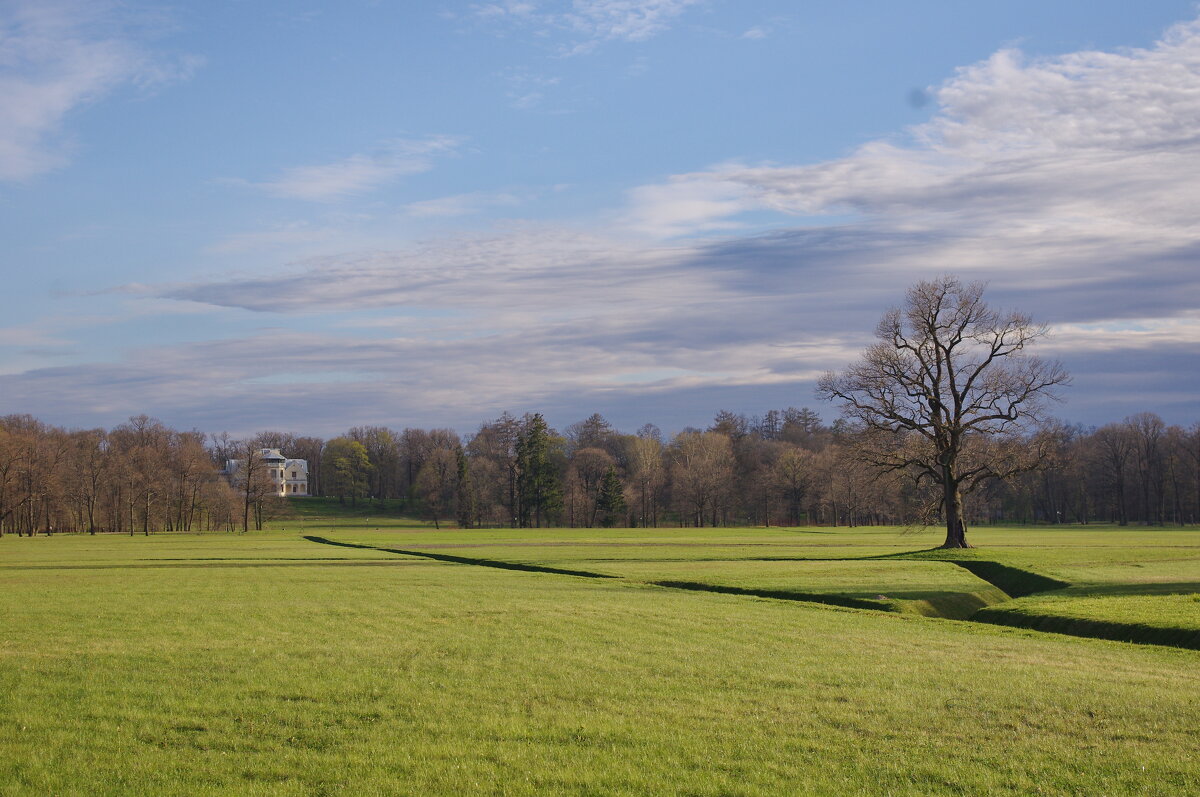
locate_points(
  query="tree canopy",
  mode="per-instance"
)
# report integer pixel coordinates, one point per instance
(945, 391)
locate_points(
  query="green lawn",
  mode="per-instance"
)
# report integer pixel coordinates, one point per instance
(268, 664)
(886, 568)
(893, 584)
(1163, 611)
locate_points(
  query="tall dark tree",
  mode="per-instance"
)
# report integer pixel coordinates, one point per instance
(465, 490)
(592, 432)
(945, 392)
(731, 424)
(538, 485)
(611, 501)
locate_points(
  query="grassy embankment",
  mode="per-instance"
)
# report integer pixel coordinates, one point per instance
(264, 663)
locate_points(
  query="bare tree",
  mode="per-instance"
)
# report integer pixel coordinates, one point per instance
(1113, 449)
(701, 474)
(945, 389)
(252, 481)
(588, 466)
(649, 476)
(792, 473)
(1147, 430)
(437, 482)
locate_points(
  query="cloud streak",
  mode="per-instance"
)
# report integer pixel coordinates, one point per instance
(360, 173)
(589, 22)
(461, 204)
(57, 57)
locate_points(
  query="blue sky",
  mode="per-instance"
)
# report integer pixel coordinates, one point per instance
(307, 216)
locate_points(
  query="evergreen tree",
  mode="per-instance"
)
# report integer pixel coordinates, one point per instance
(465, 490)
(611, 501)
(538, 487)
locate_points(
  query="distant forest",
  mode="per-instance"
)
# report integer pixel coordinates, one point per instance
(782, 468)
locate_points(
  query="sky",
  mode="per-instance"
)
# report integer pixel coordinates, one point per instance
(240, 215)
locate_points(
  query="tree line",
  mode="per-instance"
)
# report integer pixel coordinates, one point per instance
(784, 467)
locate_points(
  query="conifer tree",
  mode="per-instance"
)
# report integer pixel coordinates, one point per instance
(611, 501)
(465, 490)
(538, 486)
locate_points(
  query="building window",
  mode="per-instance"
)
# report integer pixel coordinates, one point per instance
(293, 474)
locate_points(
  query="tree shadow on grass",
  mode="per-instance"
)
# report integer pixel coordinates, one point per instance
(466, 560)
(1011, 580)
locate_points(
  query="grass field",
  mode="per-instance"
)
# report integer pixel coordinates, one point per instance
(270, 664)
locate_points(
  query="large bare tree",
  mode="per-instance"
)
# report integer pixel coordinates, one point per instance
(947, 391)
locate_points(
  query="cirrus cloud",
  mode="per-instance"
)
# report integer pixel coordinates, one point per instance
(589, 22)
(58, 56)
(360, 173)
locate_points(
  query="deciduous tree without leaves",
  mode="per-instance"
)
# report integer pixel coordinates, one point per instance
(946, 391)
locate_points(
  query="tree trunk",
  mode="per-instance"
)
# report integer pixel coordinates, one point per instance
(956, 528)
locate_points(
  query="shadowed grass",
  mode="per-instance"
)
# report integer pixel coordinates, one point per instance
(1012, 581)
(831, 599)
(464, 560)
(1064, 623)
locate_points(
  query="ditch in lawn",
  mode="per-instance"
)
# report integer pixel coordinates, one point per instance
(186, 664)
(1134, 586)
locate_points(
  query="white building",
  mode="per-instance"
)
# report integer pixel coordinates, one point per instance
(289, 476)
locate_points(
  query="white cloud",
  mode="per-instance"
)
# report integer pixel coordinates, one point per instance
(57, 56)
(461, 204)
(1125, 334)
(360, 173)
(590, 22)
(1054, 160)
(687, 204)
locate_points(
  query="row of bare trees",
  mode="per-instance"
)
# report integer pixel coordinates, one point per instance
(140, 477)
(787, 467)
(137, 478)
(782, 468)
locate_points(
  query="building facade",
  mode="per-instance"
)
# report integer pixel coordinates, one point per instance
(289, 476)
